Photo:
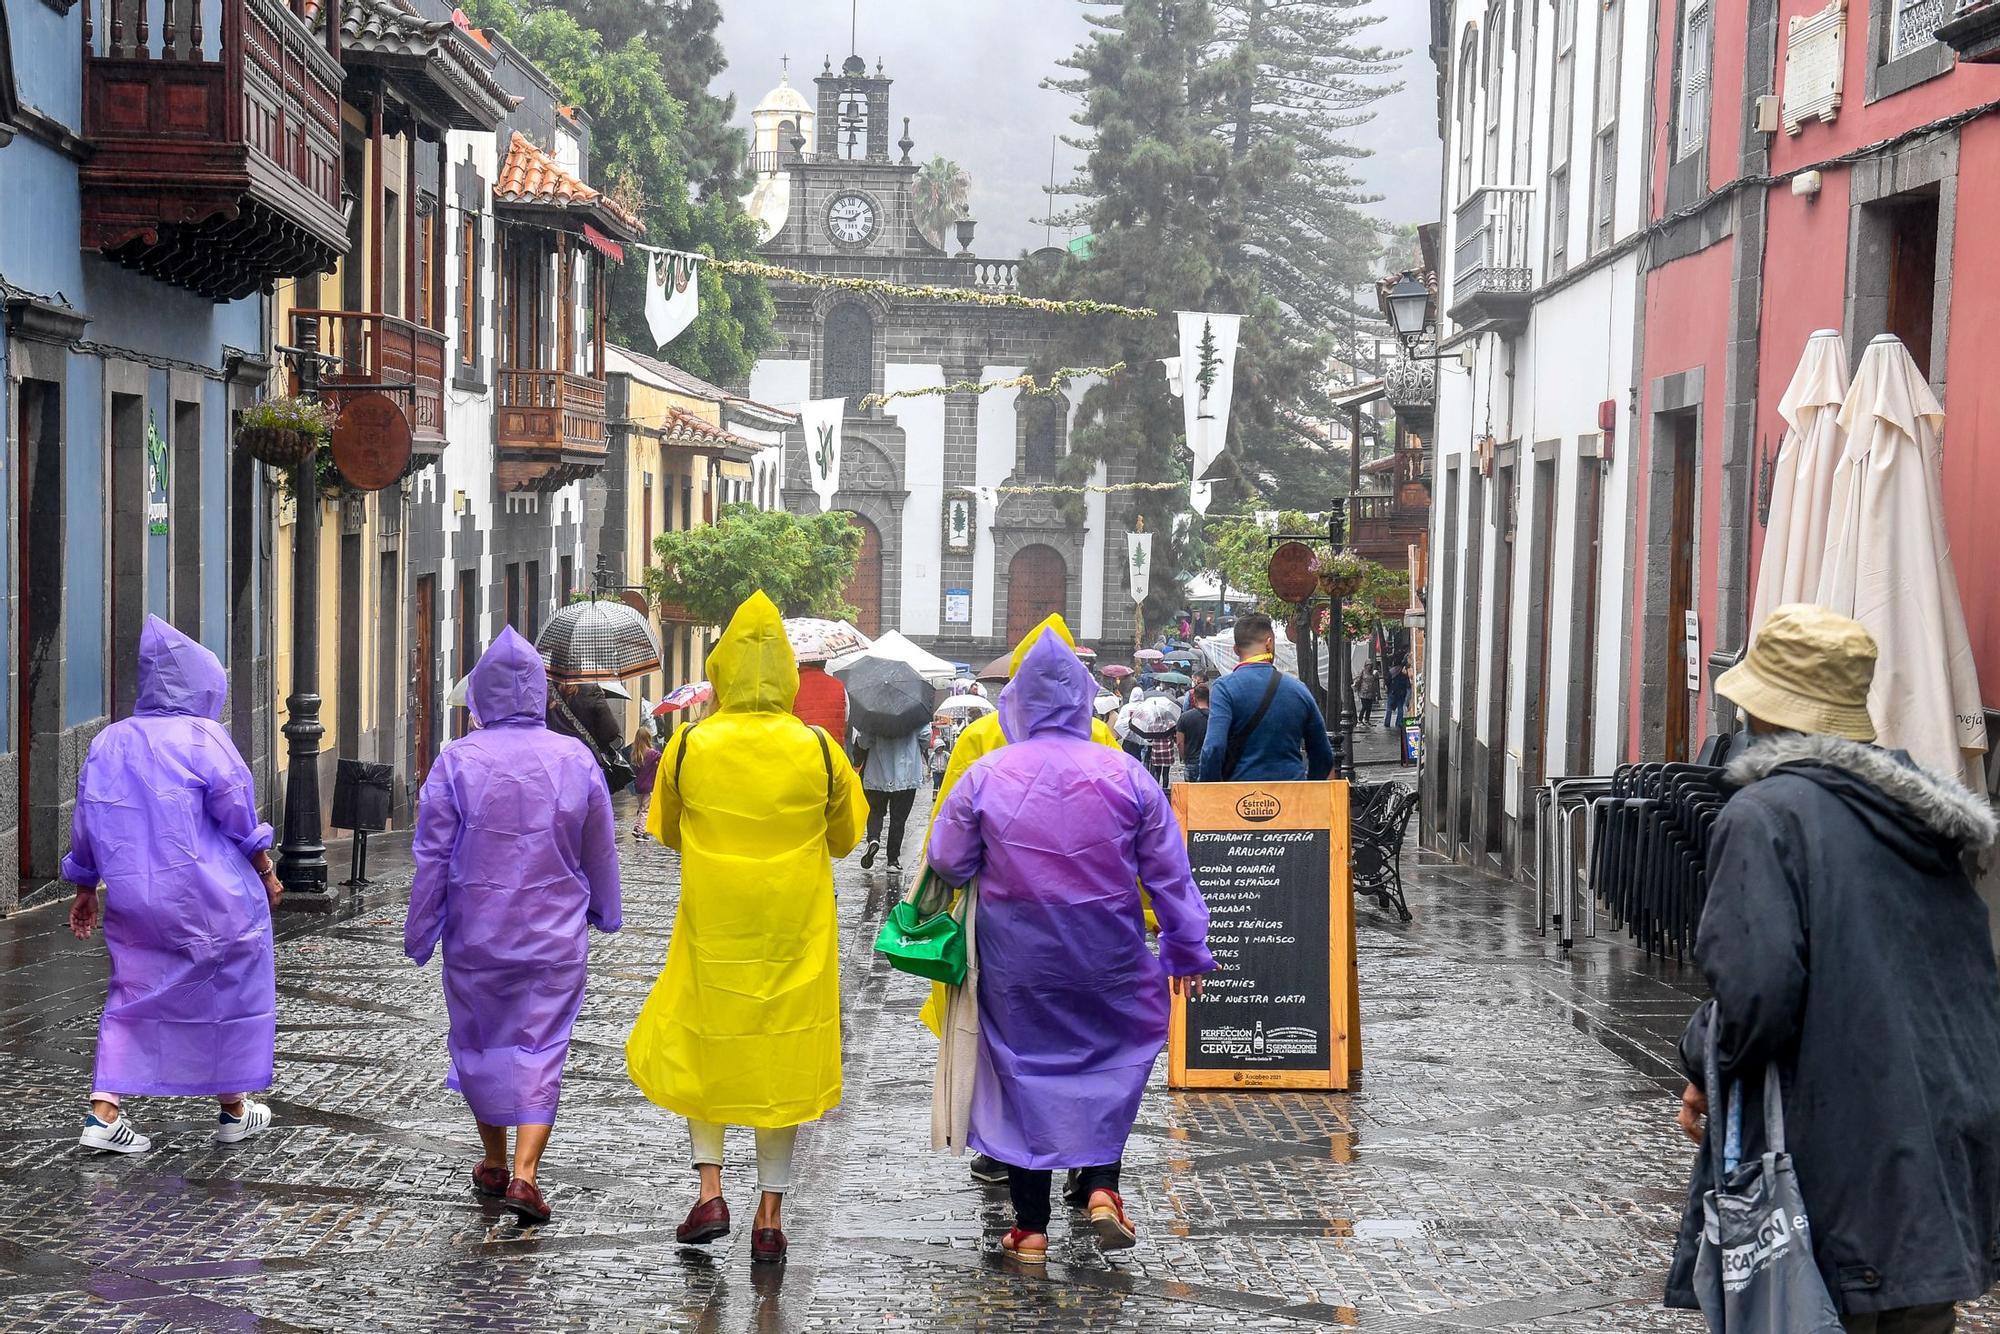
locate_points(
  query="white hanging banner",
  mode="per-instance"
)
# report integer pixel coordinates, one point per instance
(1207, 380)
(1139, 563)
(822, 419)
(1200, 494)
(672, 294)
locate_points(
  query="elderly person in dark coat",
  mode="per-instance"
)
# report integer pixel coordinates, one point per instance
(1844, 942)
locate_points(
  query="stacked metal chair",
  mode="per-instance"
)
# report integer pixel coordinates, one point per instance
(1379, 819)
(1649, 865)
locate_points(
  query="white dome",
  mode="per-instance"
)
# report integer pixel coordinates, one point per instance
(784, 98)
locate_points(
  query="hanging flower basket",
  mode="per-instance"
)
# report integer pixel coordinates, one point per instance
(283, 432)
(1340, 574)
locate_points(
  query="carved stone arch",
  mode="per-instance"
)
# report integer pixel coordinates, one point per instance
(1010, 539)
(884, 513)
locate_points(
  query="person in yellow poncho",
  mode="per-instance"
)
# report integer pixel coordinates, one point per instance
(743, 1026)
(982, 737)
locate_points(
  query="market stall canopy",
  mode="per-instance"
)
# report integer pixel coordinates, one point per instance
(896, 647)
(817, 640)
(598, 640)
(1801, 491)
(1888, 565)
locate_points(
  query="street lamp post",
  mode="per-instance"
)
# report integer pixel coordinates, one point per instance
(1340, 691)
(302, 855)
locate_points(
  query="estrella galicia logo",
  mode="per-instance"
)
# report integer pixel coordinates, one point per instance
(1258, 807)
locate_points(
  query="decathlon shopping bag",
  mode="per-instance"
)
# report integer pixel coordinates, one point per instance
(1754, 1273)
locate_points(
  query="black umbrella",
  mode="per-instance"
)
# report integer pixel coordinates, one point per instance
(886, 698)
(600, 640)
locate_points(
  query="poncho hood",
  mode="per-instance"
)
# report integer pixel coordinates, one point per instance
(1925, 816)
(177, 675)
(752, 667)
(1055, 624)
(509, 686)
(1051, 693)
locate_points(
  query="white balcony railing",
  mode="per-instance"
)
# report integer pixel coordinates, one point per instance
(1492, 253)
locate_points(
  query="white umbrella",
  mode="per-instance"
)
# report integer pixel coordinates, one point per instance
(895, 647)
(964, 706)
(455, 697)
(1802, 482)
(1888, 565)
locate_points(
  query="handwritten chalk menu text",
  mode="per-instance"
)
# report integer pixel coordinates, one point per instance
(1267, 925)
(1271, 861)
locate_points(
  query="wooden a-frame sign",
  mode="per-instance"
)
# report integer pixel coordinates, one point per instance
(1283, 1009)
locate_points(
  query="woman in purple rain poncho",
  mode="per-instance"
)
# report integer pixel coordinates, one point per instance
(1073, 1006)
(166, 818)
(516, 856)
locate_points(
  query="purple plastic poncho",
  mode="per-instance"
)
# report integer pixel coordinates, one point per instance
(516, 856)
(166, 819)
(1072, 1005)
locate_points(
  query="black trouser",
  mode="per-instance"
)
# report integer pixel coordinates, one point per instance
(897, 805)
(1030, 1190)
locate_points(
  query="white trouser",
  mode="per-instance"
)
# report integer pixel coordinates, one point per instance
(774, 1152)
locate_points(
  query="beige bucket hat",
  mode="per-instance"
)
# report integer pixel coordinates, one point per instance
(1808, 670)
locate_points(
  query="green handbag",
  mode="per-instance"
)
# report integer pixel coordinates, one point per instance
(923, 936)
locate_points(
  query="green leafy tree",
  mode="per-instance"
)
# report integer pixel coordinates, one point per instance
(939, 193)
(642, 155)
(802, 562)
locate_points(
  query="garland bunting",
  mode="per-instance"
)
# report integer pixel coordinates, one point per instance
(929, 292)
(1027, 384)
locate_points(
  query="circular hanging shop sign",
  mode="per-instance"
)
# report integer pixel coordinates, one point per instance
(371, 441)
(1292, 573)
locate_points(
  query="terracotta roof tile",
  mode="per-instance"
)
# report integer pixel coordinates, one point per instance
(531, 176)
(683, 427)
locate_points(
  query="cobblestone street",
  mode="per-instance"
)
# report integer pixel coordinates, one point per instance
(1508, 1161)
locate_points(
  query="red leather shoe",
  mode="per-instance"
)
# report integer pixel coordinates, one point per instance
(1107, 1218)
(490, 1181)
(768, 1246)
(526, 1201)
(705, 1223)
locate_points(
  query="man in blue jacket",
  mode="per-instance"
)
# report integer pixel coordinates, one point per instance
(1263, 726)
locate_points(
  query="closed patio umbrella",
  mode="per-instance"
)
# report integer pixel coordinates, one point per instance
(1802, 482)
(1888, 565)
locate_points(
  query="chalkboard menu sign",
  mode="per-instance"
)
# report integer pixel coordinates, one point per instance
(1271, 861)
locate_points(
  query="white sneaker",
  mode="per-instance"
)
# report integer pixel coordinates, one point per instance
(112, 1137)
(256, 1119)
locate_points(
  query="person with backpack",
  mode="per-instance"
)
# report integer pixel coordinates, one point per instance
(516, 853)
(743, 1026)
(1263, 726)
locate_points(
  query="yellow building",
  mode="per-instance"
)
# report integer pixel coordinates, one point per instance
(673, 464)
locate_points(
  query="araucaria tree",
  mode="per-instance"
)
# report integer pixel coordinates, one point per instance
(1191, 192)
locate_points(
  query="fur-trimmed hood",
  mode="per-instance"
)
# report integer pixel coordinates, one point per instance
(1941, 806)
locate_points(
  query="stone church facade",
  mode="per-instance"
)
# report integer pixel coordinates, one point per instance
(961, 576)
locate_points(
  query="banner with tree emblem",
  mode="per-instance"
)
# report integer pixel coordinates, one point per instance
(1204, 378)
(1139, 563)
(672, 294)
(822, 418)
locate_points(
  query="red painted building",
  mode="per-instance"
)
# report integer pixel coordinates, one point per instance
(1866, 209)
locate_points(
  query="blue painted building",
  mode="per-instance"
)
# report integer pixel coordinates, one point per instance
(164, 162)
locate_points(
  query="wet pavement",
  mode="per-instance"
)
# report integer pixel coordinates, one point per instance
(1507, 1161)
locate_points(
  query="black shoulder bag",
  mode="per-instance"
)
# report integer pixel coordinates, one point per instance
(1239, 735)
(617, 769)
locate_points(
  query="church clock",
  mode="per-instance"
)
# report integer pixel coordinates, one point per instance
(851, 219)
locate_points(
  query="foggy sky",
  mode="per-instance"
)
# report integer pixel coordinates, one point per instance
(968, 74)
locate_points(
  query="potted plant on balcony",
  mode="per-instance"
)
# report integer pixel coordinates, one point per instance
(1341, 573)
(284, 432)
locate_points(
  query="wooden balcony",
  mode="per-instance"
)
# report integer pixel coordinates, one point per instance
(374, 348)
(551, 428)
(216, 162)
(1383, 528)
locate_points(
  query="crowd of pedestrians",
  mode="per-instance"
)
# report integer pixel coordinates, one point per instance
(1856, 1001)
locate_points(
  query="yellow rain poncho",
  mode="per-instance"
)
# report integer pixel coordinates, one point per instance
(982, 737)
(743, 1026)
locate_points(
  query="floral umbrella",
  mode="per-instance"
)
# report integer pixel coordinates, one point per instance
(1148, 655)
(817, 640)
(1117, 672)
(684, 697)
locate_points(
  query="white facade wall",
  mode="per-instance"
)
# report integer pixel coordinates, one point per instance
(1536, 104)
